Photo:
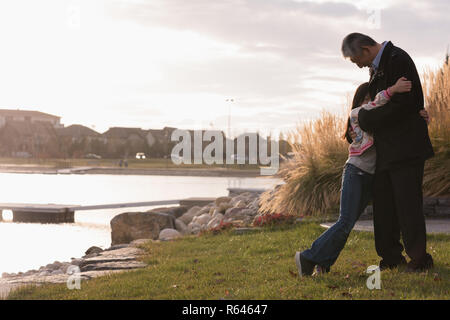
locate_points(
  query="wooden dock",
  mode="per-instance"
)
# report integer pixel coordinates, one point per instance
(64, 213)
(41, 213)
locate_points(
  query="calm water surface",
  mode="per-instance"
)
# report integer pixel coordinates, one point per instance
(25, 246)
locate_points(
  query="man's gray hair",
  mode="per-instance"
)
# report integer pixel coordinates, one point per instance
(352, 43)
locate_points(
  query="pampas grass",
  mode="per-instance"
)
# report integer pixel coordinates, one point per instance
(436, 87)
(313, 177)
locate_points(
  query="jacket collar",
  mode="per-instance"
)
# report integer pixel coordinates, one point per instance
(384, 57)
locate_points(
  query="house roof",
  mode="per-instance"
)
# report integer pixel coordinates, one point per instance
(17, 112)
(77, 130)
(123, 133)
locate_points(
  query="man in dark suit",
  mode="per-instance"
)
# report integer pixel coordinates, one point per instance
(402, 146)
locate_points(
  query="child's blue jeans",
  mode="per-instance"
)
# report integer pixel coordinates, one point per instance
(356, 192)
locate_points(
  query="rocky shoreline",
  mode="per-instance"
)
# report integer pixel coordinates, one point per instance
(96, 262)
(167, 223)
(131, 229)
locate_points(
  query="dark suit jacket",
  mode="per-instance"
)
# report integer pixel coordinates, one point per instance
(400, 133)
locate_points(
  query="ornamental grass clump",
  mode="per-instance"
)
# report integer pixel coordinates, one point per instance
(313, 176)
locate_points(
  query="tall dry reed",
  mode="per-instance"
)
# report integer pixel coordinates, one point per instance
(313, 177)
(436, 87)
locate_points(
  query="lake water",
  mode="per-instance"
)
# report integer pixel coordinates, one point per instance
(26, 246)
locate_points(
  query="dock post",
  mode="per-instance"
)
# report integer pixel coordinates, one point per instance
(43, 217)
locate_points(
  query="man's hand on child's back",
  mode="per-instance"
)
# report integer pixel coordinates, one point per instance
(425, 115)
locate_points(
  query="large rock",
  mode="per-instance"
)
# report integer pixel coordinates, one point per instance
(130, 226)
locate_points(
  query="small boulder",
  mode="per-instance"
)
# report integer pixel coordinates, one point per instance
(240, 204)
(190, 214)
(203, 219)
(217, 215)
(180, 226)
(234, 214)
(224, 206)
(221, 200)
(214, 222)
(169, 234)
(92, 250)
(205, 209)
(194, 228)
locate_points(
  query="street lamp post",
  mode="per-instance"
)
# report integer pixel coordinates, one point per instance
(230, 100)
(166, 147)
(229, 116)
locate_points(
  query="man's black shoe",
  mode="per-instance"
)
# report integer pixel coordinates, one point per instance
(305, 267)
(421, 265)
(384, 265)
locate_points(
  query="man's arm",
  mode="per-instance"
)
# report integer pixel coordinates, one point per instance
(400, 105)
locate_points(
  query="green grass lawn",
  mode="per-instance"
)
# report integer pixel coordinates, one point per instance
(258, 265)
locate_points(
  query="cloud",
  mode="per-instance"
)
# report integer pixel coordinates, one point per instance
(155, 63)
(284, 51)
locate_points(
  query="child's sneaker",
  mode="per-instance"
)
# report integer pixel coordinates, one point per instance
(305, 267)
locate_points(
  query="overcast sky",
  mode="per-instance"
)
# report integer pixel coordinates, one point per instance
(156, 63)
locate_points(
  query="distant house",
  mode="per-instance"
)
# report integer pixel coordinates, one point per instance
(78, 132)
(29, 116)
(159, 135)
(123, 141)
(36, 138)
(123, 134)
(154, 135)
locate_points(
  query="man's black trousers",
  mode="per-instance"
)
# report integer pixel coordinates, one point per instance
(398, 209)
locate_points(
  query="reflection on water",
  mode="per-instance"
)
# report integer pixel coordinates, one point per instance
(25, 246)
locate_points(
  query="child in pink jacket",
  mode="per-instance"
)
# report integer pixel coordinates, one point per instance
(363, 139)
